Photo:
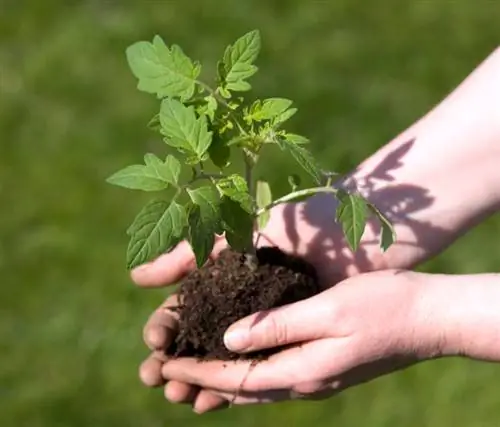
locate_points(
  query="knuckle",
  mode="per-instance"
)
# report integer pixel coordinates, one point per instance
(275, 329)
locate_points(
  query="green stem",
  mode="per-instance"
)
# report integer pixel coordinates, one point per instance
(297, 195)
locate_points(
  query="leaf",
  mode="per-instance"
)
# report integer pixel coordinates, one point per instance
(162, 71)
(156, 229)
(387, 232)
(268, 109)
(201, 234)
(238, 62)
(264, 198)
(155, 175)
(238, 225)
(207, 198)
(154, 123)
(219, 152)
(303, 157)
(283, 117)
(352, 213)
(235, 187)
(296, 139)
(169, 170)
(183, 129)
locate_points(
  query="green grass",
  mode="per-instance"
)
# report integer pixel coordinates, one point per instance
(70, 115)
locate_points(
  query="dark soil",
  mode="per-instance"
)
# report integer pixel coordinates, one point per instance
(230, 288)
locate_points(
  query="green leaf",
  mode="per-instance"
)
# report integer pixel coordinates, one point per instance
(163, 71)
(201, 235)
(296, 139)
(154, 123)
(268, 109)
(264, 198)
(183, 129)
(219, 152)
(303, 157)
(169, 170)
(235, 187)
(387, 233)
(352, 213)
(155, 175)
(238, 61)
(156, 229)
(207, 198)
(238, 225)
(283, 117)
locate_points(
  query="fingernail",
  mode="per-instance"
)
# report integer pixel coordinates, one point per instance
(237, 340)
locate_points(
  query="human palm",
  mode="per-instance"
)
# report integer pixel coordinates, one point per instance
(306, 229)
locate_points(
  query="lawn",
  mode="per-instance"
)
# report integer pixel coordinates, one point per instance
(70, 114)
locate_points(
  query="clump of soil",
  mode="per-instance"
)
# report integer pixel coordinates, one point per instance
(234, 286)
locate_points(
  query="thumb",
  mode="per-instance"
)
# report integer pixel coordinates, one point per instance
(302, 321)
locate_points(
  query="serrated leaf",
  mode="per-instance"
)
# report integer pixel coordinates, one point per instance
(264, 198)
(296, 139)
(162, 71)
(201, 234)
(238, 61)
(183, 129)
(352, 214)
(237, 224)
(137, 177)
(387, 232)
(303, 157)
(269, 108)
(155, 175)
(157, 228)
(235, 187)
(207, 198)
(168, 171)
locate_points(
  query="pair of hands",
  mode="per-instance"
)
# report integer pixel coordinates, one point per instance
(367, 325)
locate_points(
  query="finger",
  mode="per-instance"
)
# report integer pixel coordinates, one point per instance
(178, 392)
(167, 268)
(172, 266)
(150, 371)
(161, 326)
(302, 321)
(207, 401)
(311, 361)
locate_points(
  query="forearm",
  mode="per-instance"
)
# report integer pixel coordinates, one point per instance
(442, 175)
(460, 315)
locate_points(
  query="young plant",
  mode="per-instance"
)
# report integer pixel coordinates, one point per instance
(205, 125)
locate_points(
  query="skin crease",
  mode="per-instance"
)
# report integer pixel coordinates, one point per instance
(362, 302)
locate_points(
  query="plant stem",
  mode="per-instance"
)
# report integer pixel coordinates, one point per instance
(296, 195)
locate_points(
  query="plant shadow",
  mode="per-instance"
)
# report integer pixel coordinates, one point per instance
(399, 202)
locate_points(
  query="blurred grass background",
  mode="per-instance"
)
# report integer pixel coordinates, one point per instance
(70, 114)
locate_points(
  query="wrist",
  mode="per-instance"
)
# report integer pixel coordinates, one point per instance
(460, 315)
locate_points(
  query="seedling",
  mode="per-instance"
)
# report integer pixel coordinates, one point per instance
(205, 125)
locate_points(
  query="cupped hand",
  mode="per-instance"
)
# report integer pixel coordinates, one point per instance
(366, 326)
(307, 229)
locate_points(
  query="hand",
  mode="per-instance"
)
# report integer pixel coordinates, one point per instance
(294, 229)
(365, 327)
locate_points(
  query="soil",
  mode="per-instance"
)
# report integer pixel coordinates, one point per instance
(231, 287)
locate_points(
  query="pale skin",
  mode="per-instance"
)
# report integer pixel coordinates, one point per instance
(435, 180)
